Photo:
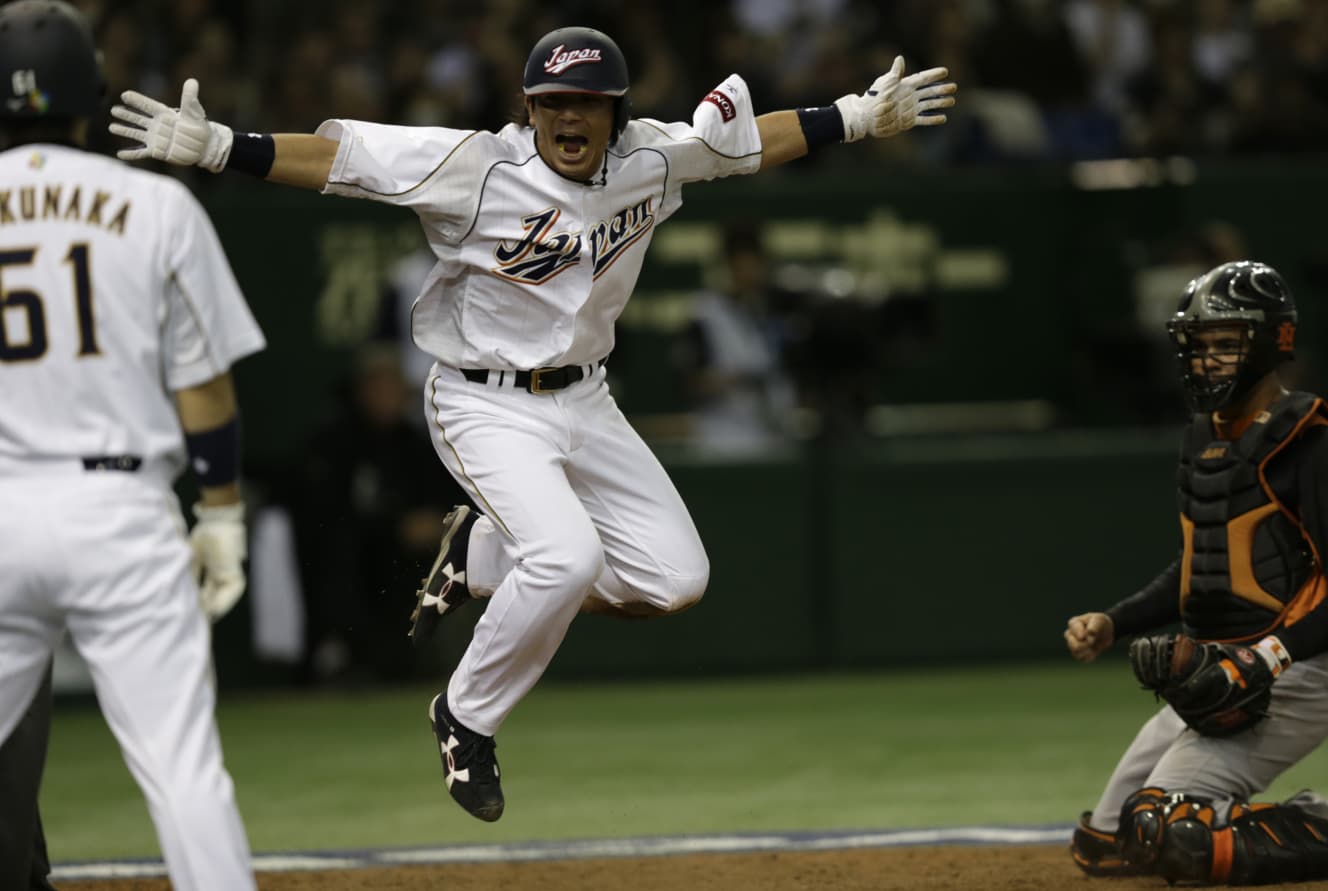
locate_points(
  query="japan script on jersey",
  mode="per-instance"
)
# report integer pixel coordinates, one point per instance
(610, 238)
(540, 254)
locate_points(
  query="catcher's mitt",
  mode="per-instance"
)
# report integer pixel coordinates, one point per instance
(1217, 689)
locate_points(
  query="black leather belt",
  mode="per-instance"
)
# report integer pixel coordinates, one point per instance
(537, 380)
(125, 463)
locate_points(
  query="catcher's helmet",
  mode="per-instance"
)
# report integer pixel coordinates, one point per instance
(1245, 296)
(580, 60)
(48, 61)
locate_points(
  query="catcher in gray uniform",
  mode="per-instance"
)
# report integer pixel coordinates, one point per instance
(1246, 682)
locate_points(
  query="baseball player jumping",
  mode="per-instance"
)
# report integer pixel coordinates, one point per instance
(539, 232)
(119, 320)
(1246, 684)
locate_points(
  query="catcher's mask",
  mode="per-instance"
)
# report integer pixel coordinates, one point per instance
(580, 60)
(1235, 324)
(48, 61)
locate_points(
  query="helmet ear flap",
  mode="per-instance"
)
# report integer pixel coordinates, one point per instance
(622, 113)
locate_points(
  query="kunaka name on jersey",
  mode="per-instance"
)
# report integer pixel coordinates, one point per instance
(53, 201)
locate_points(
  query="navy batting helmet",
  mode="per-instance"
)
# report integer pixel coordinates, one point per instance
(1249, 300)
(49, 61)
(580, 60)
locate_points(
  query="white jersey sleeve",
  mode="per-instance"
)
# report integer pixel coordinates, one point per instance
(433, 170)
(721, 140)
(208, 324)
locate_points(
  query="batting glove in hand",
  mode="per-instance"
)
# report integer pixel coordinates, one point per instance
(1217, 689)
(219, 544)
(895, 103)
(181, 135)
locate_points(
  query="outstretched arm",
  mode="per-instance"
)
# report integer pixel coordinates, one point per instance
(302, 159)
(894, 103)
(186, 137)
(782, 139)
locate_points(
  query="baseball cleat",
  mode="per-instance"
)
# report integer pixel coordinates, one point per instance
(1098, 853)
(444, 588)
(470, 767)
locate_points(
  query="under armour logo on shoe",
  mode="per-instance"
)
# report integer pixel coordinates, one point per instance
(453, 578)
(439, 601)
(452, 774)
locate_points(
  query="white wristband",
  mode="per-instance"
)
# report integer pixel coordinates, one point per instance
(1273, 653)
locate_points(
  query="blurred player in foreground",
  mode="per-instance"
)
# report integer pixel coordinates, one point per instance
(22, 758)
(539, 232)
(1247, 681)
(119, 321)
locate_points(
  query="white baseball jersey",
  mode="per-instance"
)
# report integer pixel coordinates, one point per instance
(533, 268)
(114, 290)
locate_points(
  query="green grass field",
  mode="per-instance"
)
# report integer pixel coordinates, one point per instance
(1026, 744)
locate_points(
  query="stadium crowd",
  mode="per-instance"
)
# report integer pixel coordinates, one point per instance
(1043, 79)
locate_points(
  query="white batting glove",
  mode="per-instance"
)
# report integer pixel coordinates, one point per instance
(220, 545)
(895, 103)
(179, 136)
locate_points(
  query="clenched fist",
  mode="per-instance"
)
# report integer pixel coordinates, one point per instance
(1089, 635)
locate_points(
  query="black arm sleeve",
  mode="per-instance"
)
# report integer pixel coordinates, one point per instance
(1308, 636)
(1152, 606)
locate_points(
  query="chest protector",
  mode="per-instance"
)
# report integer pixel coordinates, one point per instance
(1247, 562)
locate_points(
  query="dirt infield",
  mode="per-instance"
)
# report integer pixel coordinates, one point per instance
(943, 868)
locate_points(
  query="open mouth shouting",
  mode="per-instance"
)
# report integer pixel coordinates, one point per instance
(571, 147)
(572, 131)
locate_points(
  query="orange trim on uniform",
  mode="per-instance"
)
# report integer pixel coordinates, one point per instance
(1230, 431)
(1271, 834)
(1223, 855)
(1187, 556)
(1105, 864)
(1312, 594)
(1240, 556)
(1240, 542)
(1233, 673)
(1097, 833)
(1307, 600)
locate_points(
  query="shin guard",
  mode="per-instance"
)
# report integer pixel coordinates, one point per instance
(1261, 844)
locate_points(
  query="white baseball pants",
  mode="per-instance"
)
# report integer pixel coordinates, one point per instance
(103, 554)
(575, 505)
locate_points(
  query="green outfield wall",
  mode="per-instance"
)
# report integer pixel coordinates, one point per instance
(974, 550)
